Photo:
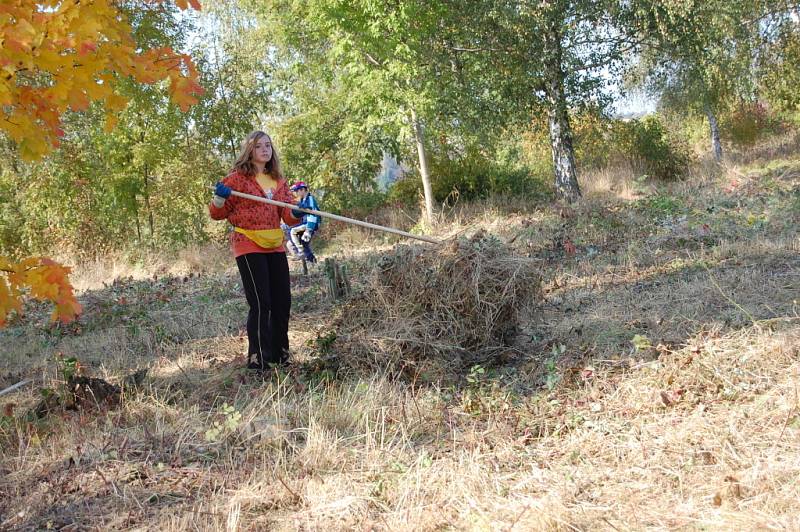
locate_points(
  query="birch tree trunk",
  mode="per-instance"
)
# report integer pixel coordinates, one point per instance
(146, 190)
(566, 180)
(136, 213)
(716, 145)
(423, 167)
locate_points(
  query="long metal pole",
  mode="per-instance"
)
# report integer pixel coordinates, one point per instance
(14, 387)
(335, 217)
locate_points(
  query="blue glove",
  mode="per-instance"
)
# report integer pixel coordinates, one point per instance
(297, 214)
(222, 191)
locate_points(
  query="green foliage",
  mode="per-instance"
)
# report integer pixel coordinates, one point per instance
(781, 70)
(641, 342)
(470, 178)
(594, 142)
(746, 123)
(483, 393)
(229, 420)
(68, 367)
(647, 143)
(662, 205)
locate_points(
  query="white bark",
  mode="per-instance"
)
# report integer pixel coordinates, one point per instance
(716, 145)
(566, 179)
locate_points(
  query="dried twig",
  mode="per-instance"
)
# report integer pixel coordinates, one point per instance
(290, 490)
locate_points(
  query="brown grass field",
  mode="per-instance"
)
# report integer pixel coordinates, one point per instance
(653, 387)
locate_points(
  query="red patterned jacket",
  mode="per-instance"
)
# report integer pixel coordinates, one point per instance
(249, 214)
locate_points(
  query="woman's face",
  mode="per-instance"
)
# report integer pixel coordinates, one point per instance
(262, 150)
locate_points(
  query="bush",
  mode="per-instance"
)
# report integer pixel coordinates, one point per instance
(593, 140)
(746, 123)
(646, 143)
(468, 178)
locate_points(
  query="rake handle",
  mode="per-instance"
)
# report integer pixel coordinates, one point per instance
(335, 217)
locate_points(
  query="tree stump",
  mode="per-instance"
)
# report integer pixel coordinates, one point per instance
(338, 282)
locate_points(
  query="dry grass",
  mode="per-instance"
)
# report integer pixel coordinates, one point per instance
(92, 275)
(619, 183)
(432, 313)
(694, 427)
(703, 437)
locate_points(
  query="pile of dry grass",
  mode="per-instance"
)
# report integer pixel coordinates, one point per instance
(431, 313)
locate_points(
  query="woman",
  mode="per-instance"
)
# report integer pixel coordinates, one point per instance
(258, 245)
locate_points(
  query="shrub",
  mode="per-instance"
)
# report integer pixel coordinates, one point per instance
(745, 123)
(646, 143)
(468, 178)
(592, 139)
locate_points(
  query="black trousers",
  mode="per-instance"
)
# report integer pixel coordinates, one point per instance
(265, 277)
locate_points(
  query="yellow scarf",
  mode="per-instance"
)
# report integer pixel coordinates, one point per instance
(266, 238)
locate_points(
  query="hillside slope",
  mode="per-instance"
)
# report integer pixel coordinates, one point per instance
(655, 386)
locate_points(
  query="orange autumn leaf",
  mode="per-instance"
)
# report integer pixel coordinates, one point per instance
(8, 301)
(61, 57)
(40, 278)
(87, 47)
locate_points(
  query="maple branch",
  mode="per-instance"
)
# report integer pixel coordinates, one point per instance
(177, 58)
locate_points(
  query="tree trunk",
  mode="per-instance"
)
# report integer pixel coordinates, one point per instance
(716, 145)
(566, 179)
(423, 167)
(136, 214)
(231, 141)
(146, 191)
(135, 203)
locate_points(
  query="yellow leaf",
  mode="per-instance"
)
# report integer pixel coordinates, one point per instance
(111, 122)
(78, 44)
(78, 101)
(115, 102)
(50, 61)
(32, 148)
(24, 32)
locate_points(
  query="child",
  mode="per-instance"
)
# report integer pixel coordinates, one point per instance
(257, 244)
(302, 233)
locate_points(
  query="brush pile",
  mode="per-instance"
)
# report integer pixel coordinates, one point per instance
(433, 313)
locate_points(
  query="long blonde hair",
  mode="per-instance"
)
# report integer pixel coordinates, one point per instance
(244, 162)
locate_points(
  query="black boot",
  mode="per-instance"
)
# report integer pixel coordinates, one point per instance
(254, 364)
